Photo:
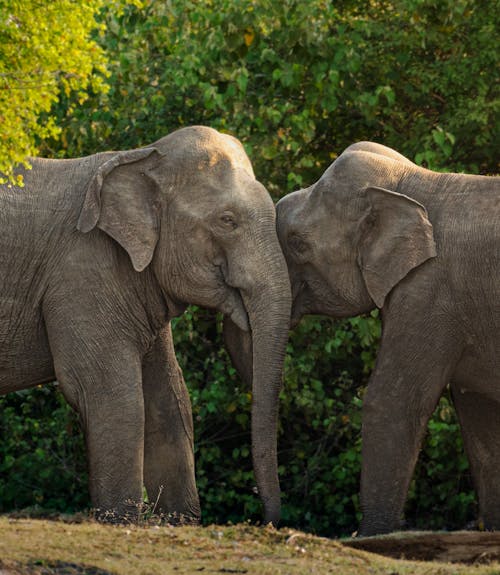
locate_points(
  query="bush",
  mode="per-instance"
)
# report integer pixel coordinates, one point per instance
(42, 453)
(441, 495)
(320, 422)
(298, 82)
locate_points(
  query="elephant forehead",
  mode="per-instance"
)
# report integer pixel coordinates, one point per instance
(289, 208)
(337, 199)
(224, 163)
(233, 149)
(205, 148)
(232, 190)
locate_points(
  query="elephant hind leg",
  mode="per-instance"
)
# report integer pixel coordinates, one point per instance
(479, 417)
(168, 446)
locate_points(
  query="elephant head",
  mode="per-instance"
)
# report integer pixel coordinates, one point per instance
(189, 208)
(351, 237)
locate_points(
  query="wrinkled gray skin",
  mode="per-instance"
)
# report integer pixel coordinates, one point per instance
(378, 231)
(97, 255)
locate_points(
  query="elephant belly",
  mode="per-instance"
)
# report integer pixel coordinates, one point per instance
(479, 371)
(25, 360)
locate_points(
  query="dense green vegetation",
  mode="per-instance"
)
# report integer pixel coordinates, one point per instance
(297, 82)
(45, 49)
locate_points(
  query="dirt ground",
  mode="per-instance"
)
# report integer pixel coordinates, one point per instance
(459, 546)
(81, 547)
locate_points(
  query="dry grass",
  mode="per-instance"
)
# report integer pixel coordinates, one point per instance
(42, 547)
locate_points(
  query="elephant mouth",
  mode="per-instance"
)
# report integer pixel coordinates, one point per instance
(234, 308)
(232, 304)
(299, 297)
(175, 307)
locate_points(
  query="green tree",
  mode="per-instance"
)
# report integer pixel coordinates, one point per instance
(46, 48)
(299, 81)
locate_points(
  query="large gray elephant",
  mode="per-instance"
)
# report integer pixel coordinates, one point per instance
(97, 254)
(378, 231)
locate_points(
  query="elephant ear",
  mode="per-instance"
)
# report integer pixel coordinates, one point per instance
(396, 237)
(121, 200)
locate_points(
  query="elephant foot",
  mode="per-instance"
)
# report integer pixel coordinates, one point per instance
(141, 515)
(370, 528)
(179, 519)
(488, 523)
(118, 516)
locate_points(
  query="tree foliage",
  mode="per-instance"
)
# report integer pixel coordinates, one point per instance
(297, 82)
(46, 48)
(300, 81)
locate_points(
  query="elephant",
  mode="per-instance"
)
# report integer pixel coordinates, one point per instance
(378, 231)
(97, 255)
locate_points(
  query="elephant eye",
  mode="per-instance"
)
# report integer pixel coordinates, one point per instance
(297, 244)
(228, 221)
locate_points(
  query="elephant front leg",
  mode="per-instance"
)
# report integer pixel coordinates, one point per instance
(105, 388)
(115, 446)
(168, 448)
(401, 396)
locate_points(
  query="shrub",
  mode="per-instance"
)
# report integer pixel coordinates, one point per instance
(42, 454)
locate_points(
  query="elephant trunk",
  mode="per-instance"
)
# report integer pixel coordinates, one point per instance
(268, 310)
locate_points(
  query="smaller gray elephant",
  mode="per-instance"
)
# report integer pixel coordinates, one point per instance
(376, 230)
(97, 255)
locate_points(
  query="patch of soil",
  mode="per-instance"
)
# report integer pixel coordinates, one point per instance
(65, 568)
(55, 568)
(10, 568)
(456, 547)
